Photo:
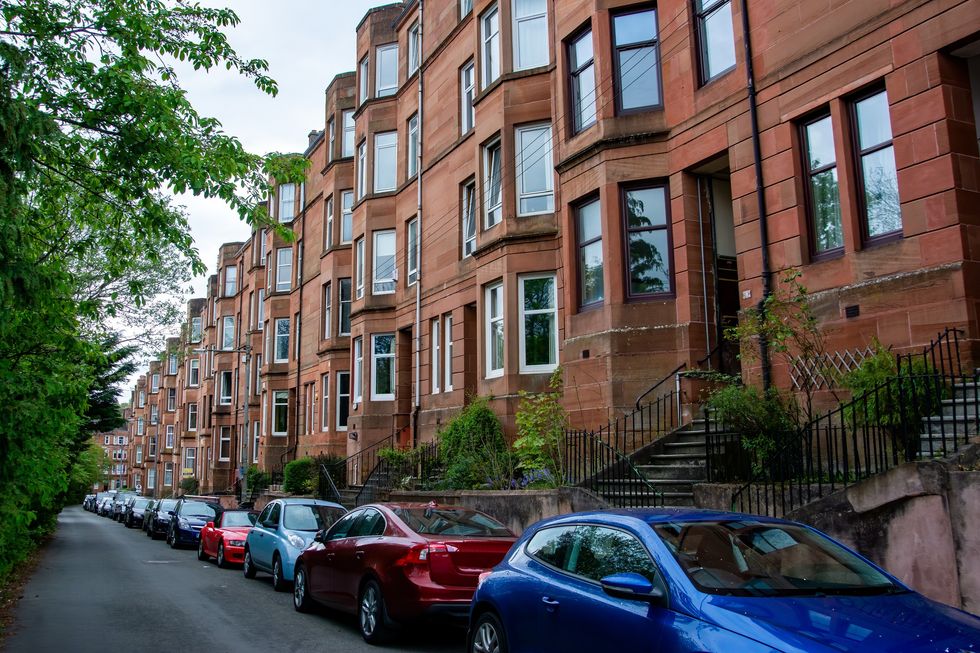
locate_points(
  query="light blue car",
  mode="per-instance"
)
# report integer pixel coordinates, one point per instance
(284, 528)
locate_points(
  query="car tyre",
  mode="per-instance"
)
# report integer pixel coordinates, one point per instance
(488, 635)
(221, 555)
(201, 555)
(248, 569)
(301, 594)
(172, 538)
(278, 584)
(372, 617)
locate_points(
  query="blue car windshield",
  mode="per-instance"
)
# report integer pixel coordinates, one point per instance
(198, 509)
(237, 518)
(752, 558)
(167, 504)
(311, 518)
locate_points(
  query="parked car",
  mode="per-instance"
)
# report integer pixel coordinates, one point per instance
(395, 563)
(124, 506)
(135, 509)
(88, 502)
(283, 529)
(160, 518)
(187, 520)
(224, 538)
(148, 515)
(105, 506)
(119, 504)
(700, 581)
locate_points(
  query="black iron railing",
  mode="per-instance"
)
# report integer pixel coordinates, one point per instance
(930, 408)
(590, 462)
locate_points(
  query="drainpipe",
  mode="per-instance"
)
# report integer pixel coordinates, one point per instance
(759, 190)
(418, 246)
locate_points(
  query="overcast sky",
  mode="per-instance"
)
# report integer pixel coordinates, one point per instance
(307, 43)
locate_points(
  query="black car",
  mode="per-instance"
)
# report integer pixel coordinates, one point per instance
(119, 504)
(189, 517)
(160, 519)
(147, 512)
(89, 502)
(135, 509)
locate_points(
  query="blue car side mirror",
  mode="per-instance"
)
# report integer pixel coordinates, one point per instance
(632, 586)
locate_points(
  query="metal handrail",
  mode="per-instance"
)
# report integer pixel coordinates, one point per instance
(333, 487)
(659, 383)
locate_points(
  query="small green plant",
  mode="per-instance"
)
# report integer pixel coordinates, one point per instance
(760, 418)
(475, 452)
(300, 476)
(257, 479)
(541, 424)
(189, 485)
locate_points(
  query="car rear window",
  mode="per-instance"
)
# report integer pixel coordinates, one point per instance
(451, 521)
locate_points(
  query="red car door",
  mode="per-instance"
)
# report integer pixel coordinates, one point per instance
(350, 559)
(208, 539)
(321, 559)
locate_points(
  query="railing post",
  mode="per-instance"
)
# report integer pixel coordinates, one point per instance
(677, 399)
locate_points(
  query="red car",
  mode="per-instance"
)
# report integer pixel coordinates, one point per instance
(225, 540)
(394, 563)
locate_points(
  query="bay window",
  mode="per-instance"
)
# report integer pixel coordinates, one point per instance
(538, 300)
(383, 367)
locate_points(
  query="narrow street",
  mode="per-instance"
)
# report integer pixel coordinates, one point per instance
(103, 587)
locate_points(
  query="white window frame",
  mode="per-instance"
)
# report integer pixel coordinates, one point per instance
(224, 436)
(278, 405)
(414, 51)
(171, 399)
(325, 402)
(231, 280)
(139, 454)
(412, 164)
(363, 81)
(384, 282)
(227, 332)
(467, 92)
(152, 453)
(541, 15)
(284, 269)
(535, 148)
(346, 217)
(340, 305)
(447, 374)
(142, 399)
(331, 138)
(381, 69)
(523, 313)
(385, 157)
(489, 320)
(375, 358)
(154, 414)
(194, 372)
(359, 268)
(493, 213)
(326, 297)
(260, 309)
(190, 458)
(171, 436)
(412, 251)
(357, 380)
(468, 219)
(225, 390)
(340, 398)
(256, 434)
(172, 364)
(155, 383)
(196, 324)
(490, 46)
(361, 181)
(435, 349)
(281, 342)
(328, 223)
(348, 125)
(287, 202)
(192, 416)
(140, 425)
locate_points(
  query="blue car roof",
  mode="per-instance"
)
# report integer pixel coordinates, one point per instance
(300, 501)
(661, 515)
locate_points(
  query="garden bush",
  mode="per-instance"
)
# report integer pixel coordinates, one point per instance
(475, 452)
(541, 424)
(300, 476)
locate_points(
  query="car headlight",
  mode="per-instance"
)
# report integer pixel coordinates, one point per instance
(183, 523)
(296, 541)
(236, 542)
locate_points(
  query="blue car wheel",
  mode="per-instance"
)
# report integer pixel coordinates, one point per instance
(488, 635)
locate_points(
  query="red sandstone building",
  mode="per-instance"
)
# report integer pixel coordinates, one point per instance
(505, 187)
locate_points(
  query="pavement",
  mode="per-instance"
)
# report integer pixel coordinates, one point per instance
(103, 587)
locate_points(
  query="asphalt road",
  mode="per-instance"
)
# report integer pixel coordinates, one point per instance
(103, 587)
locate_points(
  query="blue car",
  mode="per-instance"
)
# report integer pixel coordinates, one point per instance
(284, 528)
(188, 518)
(688, 581)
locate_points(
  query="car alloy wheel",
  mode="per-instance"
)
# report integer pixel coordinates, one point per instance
(371, 614)
(247, 569)
(278, 584)
(488, 636)
(201, 555)
(221, 555)
(301, 598)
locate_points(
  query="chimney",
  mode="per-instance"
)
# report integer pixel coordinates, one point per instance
(313, 136)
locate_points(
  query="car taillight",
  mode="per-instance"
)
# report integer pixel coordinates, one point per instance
(419, 554)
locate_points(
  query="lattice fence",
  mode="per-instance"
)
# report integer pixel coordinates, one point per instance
(824, 372)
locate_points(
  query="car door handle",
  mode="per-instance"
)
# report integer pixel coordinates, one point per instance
(358, 554)
(330, 556)
(550, 602)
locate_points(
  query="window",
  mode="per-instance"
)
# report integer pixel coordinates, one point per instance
(581, 63)
(155, 382)
(362, 79)
(256, 434)
(361, 180)
(468, 215)
(152, 447)
(881, 212)
(539, 323)
(383, 366)
(387, 70)
(282, 340)
(257, 386)
(413, 145)
(280, 412)
(298, 339)
(224, 398)
(359, 266)
(412, 255)
(195, 329)
(287, 202)
(168, 474)
(530, 33)
(467, 89)
(358, 369)
(435, 349)
(465, 7)
(262, 246)
(637, 74)
(139, 426)
(190, 456)
(447, 377)
(384, 263)
(343, 400)
(171, 399)
(822, 191)
(231, 280)
(414, 55)
(347, 146)
(299, 263)
(324, 402)
(228, 332)
(142, 399)
(170, 436)
(493, 204)
(172, 364)
(535, 172)
(139, 454)
(284, 268)
(588, 232)
(385, 161)
(331, 139)
(343, 328)
(593, 552)
(346, 216)
(154, 415)
(490, 35)
(224, 443)
(151, 478)
(260, 309)
(328, 223)
(192, 417)
(647, 241)
(495, 330)
(194, 372)
(716, 37)
(327, 297)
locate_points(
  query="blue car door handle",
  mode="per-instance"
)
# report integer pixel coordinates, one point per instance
(550, 602)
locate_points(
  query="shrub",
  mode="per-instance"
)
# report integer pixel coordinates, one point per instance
(541, 423)
(760, 418)
(474, 450)
(300, 476)
(189, 485)
(257, 479)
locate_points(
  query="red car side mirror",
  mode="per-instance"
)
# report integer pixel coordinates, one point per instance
(210, 524)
